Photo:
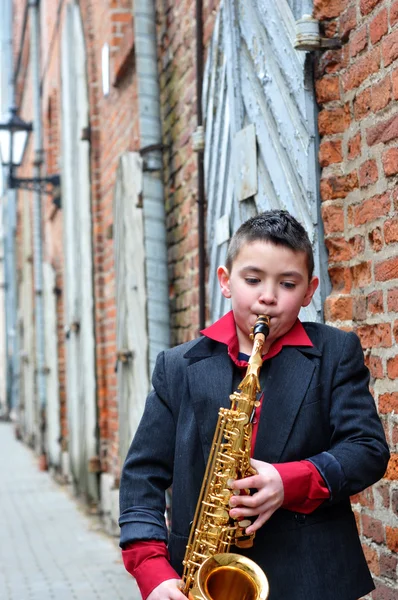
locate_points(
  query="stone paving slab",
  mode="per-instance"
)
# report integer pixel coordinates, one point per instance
(49, 549)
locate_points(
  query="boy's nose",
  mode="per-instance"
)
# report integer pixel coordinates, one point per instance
(267, 296)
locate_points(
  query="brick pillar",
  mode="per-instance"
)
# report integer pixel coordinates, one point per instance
(357, 89)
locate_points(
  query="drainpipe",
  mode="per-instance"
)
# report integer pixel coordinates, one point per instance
(10, 217)
(37, 222)
(199, 147)
(156, 271)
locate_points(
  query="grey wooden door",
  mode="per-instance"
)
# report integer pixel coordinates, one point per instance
(53, 419)
(131, 318)
(260, 128)
(79, 297)
(30, 420)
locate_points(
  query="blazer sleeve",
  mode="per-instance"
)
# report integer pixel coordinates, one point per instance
(147, 471)
(359, 454)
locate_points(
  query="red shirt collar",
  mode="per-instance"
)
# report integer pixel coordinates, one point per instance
(224, 331)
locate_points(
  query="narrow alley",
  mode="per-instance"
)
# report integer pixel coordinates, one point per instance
(48, 548)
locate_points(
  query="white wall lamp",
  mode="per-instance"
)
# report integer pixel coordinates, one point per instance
(14, 133)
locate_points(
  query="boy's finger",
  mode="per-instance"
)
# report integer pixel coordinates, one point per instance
(241, 484)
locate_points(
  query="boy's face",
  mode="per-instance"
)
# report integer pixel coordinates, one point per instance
(266, 279)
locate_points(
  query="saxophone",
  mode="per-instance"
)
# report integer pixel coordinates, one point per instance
(211, 572)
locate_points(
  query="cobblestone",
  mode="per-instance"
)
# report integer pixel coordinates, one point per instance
(49, 549)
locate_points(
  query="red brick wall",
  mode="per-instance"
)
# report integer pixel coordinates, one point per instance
(177, 66)
(357, 92)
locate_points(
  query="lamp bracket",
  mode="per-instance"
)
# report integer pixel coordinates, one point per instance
(45, 185)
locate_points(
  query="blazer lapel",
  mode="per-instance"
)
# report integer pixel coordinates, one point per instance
(288, 379)
(208, 393)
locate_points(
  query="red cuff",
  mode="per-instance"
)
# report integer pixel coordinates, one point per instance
(148, 563)
(304, 487)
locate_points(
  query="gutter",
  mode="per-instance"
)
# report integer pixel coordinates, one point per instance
(154, 217)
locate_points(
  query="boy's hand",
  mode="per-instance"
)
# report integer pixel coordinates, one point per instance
(264, 502)
(167, 590)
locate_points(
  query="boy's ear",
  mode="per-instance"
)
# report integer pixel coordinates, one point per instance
(223, 279)
(312, 286)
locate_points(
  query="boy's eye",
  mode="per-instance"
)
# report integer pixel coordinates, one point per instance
(288, 285)
(252, 280)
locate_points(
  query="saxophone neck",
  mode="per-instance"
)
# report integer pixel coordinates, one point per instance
(259, 335)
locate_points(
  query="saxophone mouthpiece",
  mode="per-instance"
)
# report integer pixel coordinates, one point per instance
(261, 326)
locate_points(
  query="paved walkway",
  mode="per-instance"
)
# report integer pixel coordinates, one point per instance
(49, 550)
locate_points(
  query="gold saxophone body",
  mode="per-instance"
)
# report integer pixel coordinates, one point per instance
(211, 572)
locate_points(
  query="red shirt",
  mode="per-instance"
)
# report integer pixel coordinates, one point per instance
(304, 488)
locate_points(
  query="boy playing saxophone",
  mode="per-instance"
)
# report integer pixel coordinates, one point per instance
(317, 438)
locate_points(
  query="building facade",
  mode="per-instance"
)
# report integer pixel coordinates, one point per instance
(169, 124)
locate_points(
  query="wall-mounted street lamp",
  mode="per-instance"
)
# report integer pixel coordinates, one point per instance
(14, 134)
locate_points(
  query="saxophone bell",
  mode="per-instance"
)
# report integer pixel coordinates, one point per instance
(231, 577)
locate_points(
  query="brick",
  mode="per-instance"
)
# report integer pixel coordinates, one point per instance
(334, 121)
(361, 274)
(392, 300)
(368, 173)
(385, 131)
(378, 26)
(331, 61)
(392, 533)
(391, 231)
(330, 152)
(375, 366)
(327, 9)
(341, 279)
(370, 210)
(389, 48)
(373, 529)
(348, 22)
(375, 336)
(327, 89)
(383, 592)
(392, 367)
(363, 104)
(357, 243)
(386, 270)
(359, 41)
(339, 249)
(338, 308)
(390, 161)
(365, 498)
(375, 302)
(372, 558)
(388, 566)
(376, 239)
(354, 146)
(359, 308)
(366, 6)
(381, 94)
(394, 14)
(363, 67)
(394, 502)
(333, 218)
(388, 403)
(335, 186)
(330, 28)
(383, 490)
(394, 82)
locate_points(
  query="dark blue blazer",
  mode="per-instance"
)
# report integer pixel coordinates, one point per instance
(316, 406)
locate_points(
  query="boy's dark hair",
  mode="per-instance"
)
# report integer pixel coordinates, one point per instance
(276, 226)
